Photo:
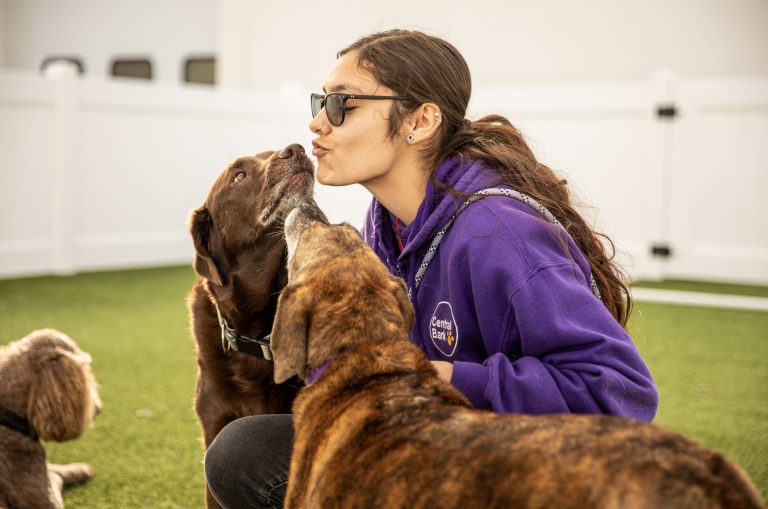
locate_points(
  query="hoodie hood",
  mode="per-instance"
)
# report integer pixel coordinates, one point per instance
(465, 175)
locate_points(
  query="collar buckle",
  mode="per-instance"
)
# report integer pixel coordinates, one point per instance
(232, 340)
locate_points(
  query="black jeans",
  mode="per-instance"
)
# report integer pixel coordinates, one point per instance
(247, 464)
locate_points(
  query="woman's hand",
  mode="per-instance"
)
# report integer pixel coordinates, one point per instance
(444, 369)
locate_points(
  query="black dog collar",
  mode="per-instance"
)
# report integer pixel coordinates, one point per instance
(16, 422)
(232, 340)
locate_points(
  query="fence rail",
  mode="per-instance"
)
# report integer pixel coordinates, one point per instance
(102, 174)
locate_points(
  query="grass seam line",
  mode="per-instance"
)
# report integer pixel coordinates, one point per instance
(700, 299)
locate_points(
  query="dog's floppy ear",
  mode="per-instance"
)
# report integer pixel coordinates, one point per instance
(200, 228)
(60, 404)
(400, 291)
(289, 333)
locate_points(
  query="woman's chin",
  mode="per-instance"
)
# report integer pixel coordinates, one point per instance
(326, 177)
(323, 179)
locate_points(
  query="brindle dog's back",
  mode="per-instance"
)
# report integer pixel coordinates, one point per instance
(380, 429)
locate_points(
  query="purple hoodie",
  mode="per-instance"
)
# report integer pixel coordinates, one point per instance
(510, 306)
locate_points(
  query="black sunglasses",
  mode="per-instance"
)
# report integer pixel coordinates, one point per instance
(336, 104)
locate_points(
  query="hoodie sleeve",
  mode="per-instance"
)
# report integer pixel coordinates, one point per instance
(573, 357)
(552, 347)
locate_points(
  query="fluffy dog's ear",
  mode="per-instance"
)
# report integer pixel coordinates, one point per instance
(289, 334)
(200, 228)
(61, 400)
(400, 291)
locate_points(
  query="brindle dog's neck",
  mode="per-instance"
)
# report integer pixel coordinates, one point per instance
(369, 360)
(399, 365)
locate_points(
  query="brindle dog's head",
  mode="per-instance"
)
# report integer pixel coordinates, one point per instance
(239, 222)
(338, 294)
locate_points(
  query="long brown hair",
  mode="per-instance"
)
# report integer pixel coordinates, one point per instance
(425, 69)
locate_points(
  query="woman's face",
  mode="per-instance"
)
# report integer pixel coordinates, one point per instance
(360, 149)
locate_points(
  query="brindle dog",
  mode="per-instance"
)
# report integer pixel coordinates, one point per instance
(240, 259)
(380, 429)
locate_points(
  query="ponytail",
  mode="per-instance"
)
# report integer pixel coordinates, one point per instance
(496, 141)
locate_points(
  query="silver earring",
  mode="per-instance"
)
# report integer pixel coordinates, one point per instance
(437, 116)
(410, 138)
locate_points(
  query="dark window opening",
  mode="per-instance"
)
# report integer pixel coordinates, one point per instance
(138, 68)
(200, 70)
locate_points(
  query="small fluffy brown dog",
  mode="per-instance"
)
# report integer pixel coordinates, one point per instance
(241, 262)
(380, 429)
(47, 392)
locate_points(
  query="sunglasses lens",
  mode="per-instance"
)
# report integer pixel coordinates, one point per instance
(334, 108)
(317, 104)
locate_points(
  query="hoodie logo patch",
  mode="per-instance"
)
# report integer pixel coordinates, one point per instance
(443, 329)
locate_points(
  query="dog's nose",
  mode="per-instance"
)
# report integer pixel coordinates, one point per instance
(290, 151)
(97, 405)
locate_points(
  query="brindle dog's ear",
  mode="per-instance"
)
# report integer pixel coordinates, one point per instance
(200, 228)
(289, 334)
(400, 291)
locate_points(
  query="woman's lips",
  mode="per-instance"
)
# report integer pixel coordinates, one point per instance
(318, 150)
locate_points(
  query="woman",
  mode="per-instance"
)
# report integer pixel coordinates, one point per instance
(517, 303)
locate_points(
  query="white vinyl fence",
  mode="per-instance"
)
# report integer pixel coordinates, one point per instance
(102, 174)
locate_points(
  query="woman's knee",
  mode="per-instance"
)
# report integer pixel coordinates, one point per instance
(250, 440)
(250, 458)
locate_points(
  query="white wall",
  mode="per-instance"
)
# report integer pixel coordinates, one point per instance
(2, 34)
(98, 31)
(97, 174)
(506, 43)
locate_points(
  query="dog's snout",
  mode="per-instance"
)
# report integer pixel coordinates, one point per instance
(291, 151)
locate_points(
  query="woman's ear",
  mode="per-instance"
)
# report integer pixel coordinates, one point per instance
(423, 124)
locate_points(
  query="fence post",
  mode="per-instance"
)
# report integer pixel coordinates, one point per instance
(63, 221)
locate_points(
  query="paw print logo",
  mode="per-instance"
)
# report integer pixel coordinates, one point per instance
(443, 329)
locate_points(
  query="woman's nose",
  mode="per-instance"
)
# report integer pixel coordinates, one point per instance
(316, 124)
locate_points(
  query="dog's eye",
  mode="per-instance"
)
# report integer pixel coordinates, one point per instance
(240, 175)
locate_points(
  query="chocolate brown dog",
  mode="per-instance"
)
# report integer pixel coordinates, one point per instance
(379, 428)
(240, 259)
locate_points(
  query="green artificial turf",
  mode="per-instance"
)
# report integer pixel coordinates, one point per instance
(144, 446)
(709, 364)
(710, 369)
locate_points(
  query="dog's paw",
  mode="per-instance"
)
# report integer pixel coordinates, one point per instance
(72, 473)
